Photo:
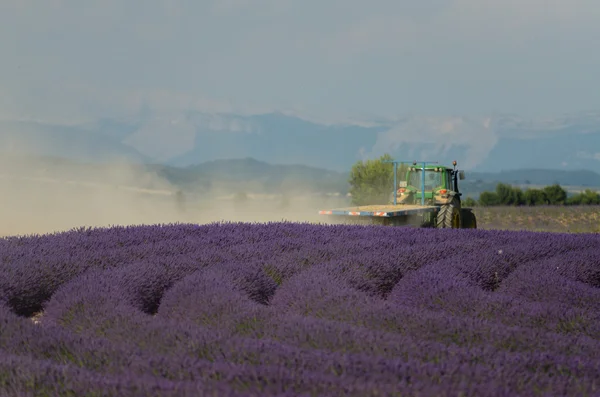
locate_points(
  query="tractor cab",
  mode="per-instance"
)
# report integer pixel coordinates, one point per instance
(434, 180)
(438, 184)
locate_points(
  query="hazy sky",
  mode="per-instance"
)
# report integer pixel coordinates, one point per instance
(68, 58)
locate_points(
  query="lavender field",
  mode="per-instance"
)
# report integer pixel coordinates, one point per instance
(284, 309)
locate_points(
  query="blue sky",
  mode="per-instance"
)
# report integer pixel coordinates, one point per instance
(71, 58)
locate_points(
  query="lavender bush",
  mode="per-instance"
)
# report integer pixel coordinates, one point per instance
(286, 309)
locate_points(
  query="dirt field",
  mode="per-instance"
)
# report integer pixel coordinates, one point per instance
(574, 219)
(33, 208)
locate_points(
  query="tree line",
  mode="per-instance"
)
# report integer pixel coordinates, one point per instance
(507, 195)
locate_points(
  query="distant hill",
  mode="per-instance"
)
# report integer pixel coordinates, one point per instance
(540, 177)
(252, 176)
(220, 176)
(255, 176)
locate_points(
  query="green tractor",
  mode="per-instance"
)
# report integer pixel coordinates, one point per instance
(435, 186)
(427, 197)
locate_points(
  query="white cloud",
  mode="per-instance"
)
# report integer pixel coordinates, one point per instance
(441, 134)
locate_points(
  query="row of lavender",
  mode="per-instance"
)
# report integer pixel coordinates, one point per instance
(291, 309)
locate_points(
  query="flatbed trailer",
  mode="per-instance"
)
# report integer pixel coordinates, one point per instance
(386, 211)
(399, 215)
(394, 215)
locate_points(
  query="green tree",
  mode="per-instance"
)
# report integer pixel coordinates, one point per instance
(503, 192)
(508, 195)
(555, 194)
(371, 181)
(535, 197)
(518, 197)
(488, 199)
(588, 197)
(469, 202)
(401, 172)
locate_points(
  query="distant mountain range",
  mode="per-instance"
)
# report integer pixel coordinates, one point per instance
(253, 176)
(540, 177)
(188, 138)
(250, 175)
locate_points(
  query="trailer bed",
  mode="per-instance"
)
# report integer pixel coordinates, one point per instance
(382, 210)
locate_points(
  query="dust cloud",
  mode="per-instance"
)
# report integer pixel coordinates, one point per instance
(44, 195)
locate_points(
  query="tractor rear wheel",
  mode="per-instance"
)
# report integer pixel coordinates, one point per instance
(469, 220)
(449, 216)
